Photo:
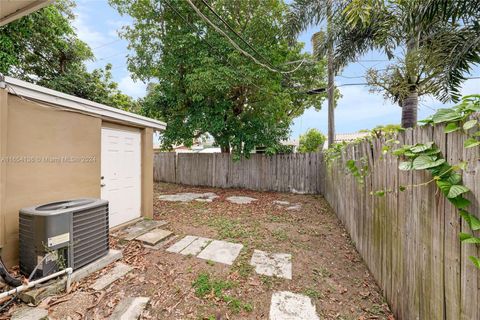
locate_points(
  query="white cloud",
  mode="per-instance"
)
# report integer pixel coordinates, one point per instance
(84, 30)
(136, 89)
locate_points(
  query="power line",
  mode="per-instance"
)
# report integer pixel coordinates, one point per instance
(236, 33)
(236, 46)
(212, 47)
(106, 44)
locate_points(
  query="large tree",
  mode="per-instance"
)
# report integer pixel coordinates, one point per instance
(43, 48)
(434, 44)
(205, 85)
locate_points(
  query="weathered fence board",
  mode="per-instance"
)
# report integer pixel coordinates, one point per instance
(298, 173)
(410, 240)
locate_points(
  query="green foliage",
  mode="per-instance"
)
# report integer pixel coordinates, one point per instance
(279, 149)
(334, 152)
(204, 85)
(312, 141)
(43, 48)
(459, 118)
(358, 173)
(205, 286)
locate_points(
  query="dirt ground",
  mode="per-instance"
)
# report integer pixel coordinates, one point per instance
(326, 266)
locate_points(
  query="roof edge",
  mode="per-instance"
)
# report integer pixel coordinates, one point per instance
(39, 93)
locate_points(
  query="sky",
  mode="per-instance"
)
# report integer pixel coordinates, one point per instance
(98, 24)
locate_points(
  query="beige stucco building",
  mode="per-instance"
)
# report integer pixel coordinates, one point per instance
(55, 146)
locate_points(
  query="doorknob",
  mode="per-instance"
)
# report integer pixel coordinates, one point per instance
(102, 185)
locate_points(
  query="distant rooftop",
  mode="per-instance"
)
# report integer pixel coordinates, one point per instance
(347, 137)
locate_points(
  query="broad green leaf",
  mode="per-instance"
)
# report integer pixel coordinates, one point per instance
(469, 124)
(459, 202)
(444, 186)
(446, 115)
(473, 222)
(454, 178)
(442, 170)
(475, 261)
(468, 238)
(421, 147)
(451, 127)
(457, 190)
(425, 162)
(405, 166)
(471, 142)
(432, 152)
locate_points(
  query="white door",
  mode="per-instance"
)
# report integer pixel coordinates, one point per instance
(121, 174)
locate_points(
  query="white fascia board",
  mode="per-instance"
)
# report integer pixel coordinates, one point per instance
(56, 98)
(24, 8)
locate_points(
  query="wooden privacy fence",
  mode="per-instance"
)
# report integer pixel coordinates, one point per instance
(299, 173)
(410, 240)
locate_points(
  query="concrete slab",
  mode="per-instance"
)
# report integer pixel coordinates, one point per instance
(112, 256)
(196, 246)
(188, 196)
(139, 228)
(272, 264)
(129, 308)
(36, 295)
(291, 306)
(29, 313)
(155, 236)
(113, 275)
(295, 207)
(221, 251)
(203, 200)
(162, 244)
(241, 199)
(281, 203)
(182, 244)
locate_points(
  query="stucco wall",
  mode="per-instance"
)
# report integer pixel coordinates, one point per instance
(34, 140)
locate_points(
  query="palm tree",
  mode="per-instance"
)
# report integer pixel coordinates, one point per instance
(435, 43)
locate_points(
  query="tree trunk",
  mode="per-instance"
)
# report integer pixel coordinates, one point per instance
(331, 81)
(409, 110)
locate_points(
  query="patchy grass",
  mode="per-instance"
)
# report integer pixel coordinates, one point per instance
(242, 264)
(280, 235)
(205, 286)
(228, 228)
(312, 293)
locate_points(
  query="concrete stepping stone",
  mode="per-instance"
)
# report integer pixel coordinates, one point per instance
(221, 251)
(182, 244)
(155, 236)
(241, 199)
(188, 196)
(29, 313)
(196, 246)
(129, 308)
(139, 228)
(113, 275)
(272, 264)
(295, 207)
(291, 306)
(281, 203)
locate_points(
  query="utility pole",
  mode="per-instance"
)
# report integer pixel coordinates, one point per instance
(331, 79)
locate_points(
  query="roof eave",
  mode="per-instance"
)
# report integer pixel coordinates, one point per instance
(41, 94)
